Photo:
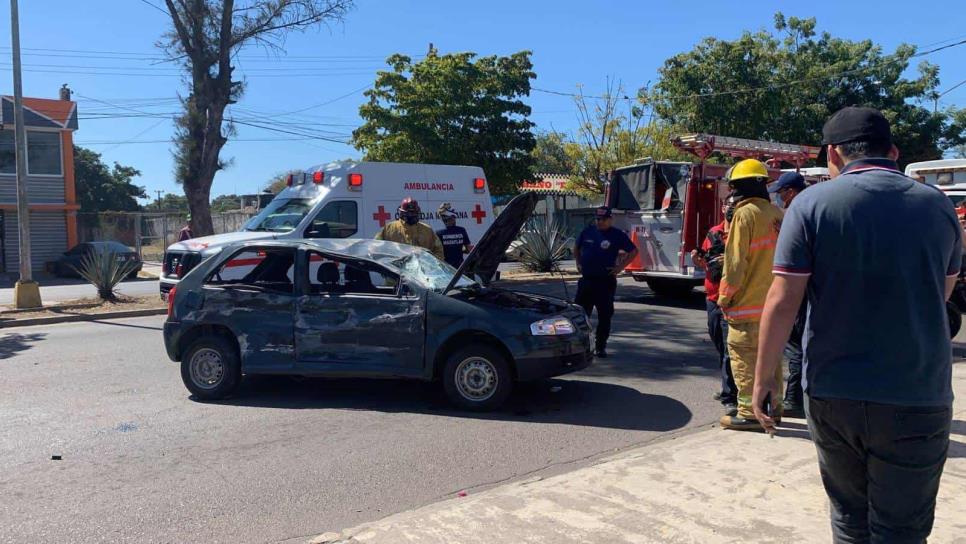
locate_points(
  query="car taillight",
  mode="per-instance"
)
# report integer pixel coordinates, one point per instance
(164, 267)
(171, 295)
(317, 178)
(479, 185)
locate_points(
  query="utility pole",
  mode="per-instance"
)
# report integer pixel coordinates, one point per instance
(159, 191)
(26, 291)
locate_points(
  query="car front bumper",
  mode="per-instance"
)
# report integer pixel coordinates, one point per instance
(555, 356)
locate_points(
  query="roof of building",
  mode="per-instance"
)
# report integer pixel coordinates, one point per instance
(41, 113)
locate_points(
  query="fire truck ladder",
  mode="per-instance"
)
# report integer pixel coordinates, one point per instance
(702, 145)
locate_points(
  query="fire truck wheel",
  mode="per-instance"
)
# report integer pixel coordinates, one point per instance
(670, 288)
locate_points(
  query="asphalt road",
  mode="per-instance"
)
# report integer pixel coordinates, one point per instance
(143, 462)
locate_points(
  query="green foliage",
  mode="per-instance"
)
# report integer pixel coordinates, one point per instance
(278, 181)
(452, 109)
(613, 132)
(544, 246)
(170, 202)
(783, 85)
(102, 269)
(550, 155)
(100, 188)
(225, 203)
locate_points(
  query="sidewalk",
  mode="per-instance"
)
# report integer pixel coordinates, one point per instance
(705, 487)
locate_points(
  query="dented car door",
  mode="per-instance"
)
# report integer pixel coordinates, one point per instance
(354, 313)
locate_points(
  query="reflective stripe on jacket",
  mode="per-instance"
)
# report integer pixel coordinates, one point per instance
(419, 235)
(749, 255)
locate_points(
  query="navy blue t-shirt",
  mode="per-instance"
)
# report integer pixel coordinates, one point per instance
(876, 247)
(599, 249)
(453, 238)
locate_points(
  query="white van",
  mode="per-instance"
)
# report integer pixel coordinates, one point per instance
(948, 175)
(348, 199)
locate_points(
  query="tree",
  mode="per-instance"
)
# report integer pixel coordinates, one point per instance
(782, 86)
(171, 203)
(279, 181)
(550, 154)
(613, 132)
(205, 35)
(105, 189)
(452, 109)
(224, 203)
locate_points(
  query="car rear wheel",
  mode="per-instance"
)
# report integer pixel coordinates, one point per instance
(210, 368)
(477, 378)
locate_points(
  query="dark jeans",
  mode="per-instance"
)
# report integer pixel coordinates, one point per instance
(598, 293)
(793, 352)
(881, 466)
(718, 331)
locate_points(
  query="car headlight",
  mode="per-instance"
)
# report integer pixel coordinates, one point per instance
(552, 327)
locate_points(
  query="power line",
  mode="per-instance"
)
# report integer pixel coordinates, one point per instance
(155, 6)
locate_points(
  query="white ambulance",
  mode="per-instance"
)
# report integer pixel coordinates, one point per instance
(948, 175)
(348, 199)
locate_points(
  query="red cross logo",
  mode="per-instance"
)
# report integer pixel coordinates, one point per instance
(478, 214)
(382, 216)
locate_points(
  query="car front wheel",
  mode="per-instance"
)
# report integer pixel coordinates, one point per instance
(210, 368)
(477, 378)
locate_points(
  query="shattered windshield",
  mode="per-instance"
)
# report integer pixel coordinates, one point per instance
(281, 215)
(429, 272)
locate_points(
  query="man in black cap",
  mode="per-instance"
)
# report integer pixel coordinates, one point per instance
(602, 252)
(878, 393)
(787, 187)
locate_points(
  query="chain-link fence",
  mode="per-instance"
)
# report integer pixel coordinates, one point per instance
(149, 232)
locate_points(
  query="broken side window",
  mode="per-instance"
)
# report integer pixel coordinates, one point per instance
(270, 269)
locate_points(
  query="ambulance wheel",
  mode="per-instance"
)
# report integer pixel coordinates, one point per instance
(955, 319)
(670, 288)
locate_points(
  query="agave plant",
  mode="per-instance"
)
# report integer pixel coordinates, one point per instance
(104, 269)
(544, 245)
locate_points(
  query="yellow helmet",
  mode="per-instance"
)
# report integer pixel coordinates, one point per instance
(748, 168)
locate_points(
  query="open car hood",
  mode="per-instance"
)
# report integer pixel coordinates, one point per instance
(487, 253)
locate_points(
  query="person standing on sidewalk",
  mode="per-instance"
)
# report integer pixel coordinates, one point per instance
(602, 252)
(747, 275)
(787, 187)
(878, 358)
(711, 258)
(185, 232)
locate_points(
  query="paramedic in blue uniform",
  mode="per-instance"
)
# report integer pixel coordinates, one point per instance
(455, 240)
(601, 252)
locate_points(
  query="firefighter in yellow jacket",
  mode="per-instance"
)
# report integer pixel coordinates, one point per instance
(747, 275)
(408, 230)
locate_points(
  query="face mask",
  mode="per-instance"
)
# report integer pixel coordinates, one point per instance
(730, 213)
(411, 219)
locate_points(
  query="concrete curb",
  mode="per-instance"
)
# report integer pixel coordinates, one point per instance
(80, 317)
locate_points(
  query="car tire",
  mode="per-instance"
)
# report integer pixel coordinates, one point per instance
(477, 378)
(210, 368)
(955, 319)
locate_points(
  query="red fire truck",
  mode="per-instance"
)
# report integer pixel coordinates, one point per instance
(668, 207)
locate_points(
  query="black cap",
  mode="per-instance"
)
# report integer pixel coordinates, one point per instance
(603, 212)
(792, 180)
(855, 123)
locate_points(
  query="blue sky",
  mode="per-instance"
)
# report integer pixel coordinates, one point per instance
(105, 51)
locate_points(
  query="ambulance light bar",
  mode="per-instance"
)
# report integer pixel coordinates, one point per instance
(355, 181)
(479, 185)
(317, 177)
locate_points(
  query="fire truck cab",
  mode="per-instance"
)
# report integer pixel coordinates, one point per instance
(668, 207)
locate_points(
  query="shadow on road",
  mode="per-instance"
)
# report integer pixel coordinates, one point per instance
(12, 344)
(561, 401)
